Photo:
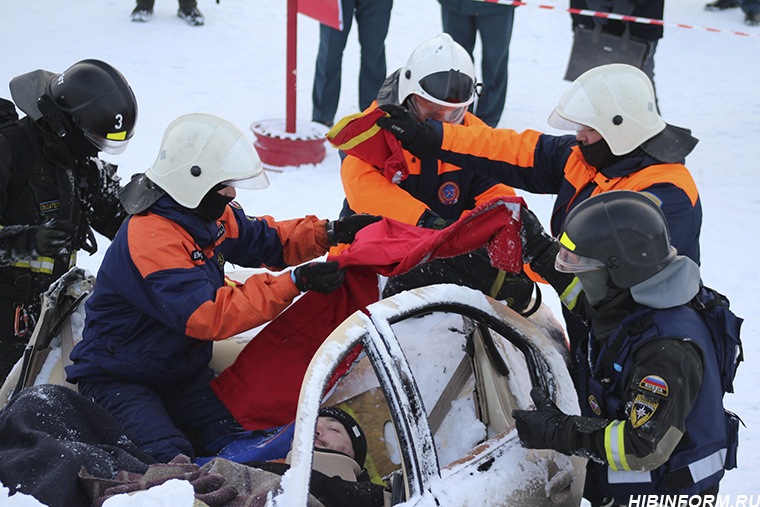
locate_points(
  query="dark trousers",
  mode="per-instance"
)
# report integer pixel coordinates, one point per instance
(372, 18)
(495, 34)
(181, 419)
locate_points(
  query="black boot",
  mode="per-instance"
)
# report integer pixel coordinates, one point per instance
(752, 19)
(142, 12)
(190, 14)
(721, 5)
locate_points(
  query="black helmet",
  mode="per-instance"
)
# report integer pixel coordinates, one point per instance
(94, 97)
(622, 231)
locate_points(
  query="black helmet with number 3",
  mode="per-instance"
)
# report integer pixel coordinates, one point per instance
(91, 96)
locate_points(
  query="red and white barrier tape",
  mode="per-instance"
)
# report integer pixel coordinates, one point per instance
(621, 17)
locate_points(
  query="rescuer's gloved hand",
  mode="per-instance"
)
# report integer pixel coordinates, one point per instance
(547, 427)
(53, 236)
(324, 277)
(344, 229)
(535, 240)
(419, 138)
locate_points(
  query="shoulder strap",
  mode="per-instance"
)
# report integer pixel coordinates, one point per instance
(617, 341)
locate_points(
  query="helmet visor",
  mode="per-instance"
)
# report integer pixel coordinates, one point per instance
(570, 262)
(423, 110)
(111, 146)
(257, 182)
(449, 86)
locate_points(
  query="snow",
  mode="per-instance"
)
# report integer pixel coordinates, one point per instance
(234, 67)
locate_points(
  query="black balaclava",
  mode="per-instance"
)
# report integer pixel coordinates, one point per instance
(599, 155)
(213, 204)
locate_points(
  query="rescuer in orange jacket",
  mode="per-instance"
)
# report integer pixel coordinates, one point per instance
(161, 300)
(437, 83)
(621, 143)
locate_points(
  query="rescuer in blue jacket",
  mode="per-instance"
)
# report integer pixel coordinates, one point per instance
(650, 390)
(161, 299)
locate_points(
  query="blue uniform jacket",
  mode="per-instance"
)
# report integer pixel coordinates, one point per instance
(161, 297)
(697, 462)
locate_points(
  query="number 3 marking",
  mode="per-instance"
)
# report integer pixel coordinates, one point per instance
(119, 121)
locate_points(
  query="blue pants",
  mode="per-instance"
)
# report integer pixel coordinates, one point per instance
(495, 34)
(372, 18)
(181, 419)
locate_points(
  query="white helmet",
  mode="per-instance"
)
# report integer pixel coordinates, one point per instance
(198, 151)
(439, 70)
(616, 100)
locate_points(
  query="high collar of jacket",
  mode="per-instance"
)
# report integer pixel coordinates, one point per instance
(333, 464)
(633, 162)
(204, 232)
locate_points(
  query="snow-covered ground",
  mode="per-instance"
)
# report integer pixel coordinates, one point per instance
(235, 67)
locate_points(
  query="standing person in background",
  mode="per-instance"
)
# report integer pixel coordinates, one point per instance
(642, 32)
(53, 188)
(372, 18)
(463, 19)
(751, 9)
(188, 11)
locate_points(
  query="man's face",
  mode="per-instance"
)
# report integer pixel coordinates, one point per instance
(424, 109)
(332, 435)
(587, 136)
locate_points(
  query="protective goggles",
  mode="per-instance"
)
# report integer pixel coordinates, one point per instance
(449, 86)
(570, 262)
(112, 146)
(423, 110)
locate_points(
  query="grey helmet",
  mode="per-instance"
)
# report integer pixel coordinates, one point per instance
(621, 231)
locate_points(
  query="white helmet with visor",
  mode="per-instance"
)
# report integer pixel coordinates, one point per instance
(438, 80)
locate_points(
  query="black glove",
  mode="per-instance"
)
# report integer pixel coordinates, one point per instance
(547, 427)
(420, 139)
(344, 229)
(53, 236)
(430, 220)
(324, 277)
(535, 240)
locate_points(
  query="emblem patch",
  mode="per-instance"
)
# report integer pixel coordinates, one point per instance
(196, 255)
(642, 410)
(655, 384)
(48, 206)
(448, 193)
(594, 405)
(220, 231)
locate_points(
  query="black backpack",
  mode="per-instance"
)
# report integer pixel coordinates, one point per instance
(725, 328)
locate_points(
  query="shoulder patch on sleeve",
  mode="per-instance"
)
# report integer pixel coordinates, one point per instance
(643, 409)
(654, 384)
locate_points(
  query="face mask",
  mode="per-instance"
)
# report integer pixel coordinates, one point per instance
(598, 154)
(595, 285)
(213, 204)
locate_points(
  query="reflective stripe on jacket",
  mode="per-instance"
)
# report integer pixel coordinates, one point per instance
(445, 189)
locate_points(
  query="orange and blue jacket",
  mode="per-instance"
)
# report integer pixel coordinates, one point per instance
(441, 189)
(544, 164)
(161, 298)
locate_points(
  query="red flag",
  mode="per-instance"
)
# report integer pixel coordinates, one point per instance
(327, 12)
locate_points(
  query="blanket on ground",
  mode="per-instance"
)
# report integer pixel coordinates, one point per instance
(49, 432)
